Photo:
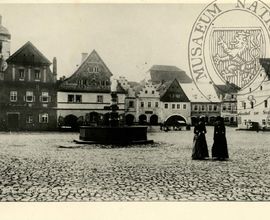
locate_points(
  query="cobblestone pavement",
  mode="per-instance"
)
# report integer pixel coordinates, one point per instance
(34, 168)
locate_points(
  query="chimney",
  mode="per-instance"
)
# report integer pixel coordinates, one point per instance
(55, 68)
(84, 56)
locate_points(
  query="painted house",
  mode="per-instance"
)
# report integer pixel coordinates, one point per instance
(148, 103)
(174, 103)
(28, 91)
(205, 103)
(85, 96)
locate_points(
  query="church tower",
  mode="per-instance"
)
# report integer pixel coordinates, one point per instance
(4, 45)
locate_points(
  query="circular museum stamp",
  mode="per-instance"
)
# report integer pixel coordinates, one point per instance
(227, 41)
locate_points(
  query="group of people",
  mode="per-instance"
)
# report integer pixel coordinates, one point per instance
(219, 148)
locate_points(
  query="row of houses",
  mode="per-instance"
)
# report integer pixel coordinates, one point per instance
(31, 97)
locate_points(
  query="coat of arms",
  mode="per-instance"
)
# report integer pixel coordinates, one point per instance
(235, 53)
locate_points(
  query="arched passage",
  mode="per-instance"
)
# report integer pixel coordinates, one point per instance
(129, 119)
(154, 120)
(71, 120)
(94, 117)
(142, 119)
(175, 120)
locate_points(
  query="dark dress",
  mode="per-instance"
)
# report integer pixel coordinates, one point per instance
(200, 150)
(220, 149)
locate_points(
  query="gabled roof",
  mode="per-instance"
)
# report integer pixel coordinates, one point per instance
(89, 59)
(162, 73)
(28, 54)
(172, 87)
(228, 88)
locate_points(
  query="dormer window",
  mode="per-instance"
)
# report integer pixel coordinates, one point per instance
(37, 75)
(21, 74)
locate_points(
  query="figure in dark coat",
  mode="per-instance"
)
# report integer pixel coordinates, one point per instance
(200, 150)
(220, 148)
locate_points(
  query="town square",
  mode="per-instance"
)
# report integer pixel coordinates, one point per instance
(95, 106)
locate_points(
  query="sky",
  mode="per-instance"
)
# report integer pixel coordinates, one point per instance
(130, 38)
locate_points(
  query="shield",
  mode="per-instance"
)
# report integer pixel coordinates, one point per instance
(235, 53)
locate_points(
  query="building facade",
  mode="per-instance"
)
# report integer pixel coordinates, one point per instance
(253, 104)
(85, 97)
(28, 91)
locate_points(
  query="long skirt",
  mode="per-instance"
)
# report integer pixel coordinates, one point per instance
(220, 148)
(200, 150)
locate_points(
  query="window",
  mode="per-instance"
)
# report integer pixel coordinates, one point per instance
(203, 108)
(232, 96)
(100, 98)
(249, 89)
(265, 103)
(195, 96)
(149, 104)
(268, 121)
(215, 108)
(156, 104)
(131, 104)
(173, 106)
(78, 98)
(195, 107)
(251, 105)
(184, 106)
(29, 96)
(142, 104)
(178, 106)
(224, 107)
(13, 96)
(44, 97)
(245, 122)
(244, 105)
(261, 87)
(153, 92)
(229, 107)
(43, 118)
(166, 105)
(178, 96)
(145, 91)
(96, 69)
(70, 98)
(263, 122)
(37, 74)
(21, 73)
(210, 108)
(29, 119)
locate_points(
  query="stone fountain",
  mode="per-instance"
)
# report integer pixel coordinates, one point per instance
(114, 133)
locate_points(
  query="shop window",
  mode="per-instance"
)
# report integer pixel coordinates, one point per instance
(43, 118)
(29, 119)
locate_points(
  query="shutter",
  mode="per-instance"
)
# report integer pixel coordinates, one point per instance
(24, 98)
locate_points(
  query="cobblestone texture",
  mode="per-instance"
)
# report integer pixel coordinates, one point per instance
(34, 168)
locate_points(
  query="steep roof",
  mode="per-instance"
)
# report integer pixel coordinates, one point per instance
(28, 54)
(171, 91)
(228, 88)
(161, 73)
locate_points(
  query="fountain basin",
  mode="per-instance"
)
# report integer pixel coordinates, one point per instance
(122, 135)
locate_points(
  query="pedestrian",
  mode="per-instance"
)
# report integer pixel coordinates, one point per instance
(220, 148)
(200, 149)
